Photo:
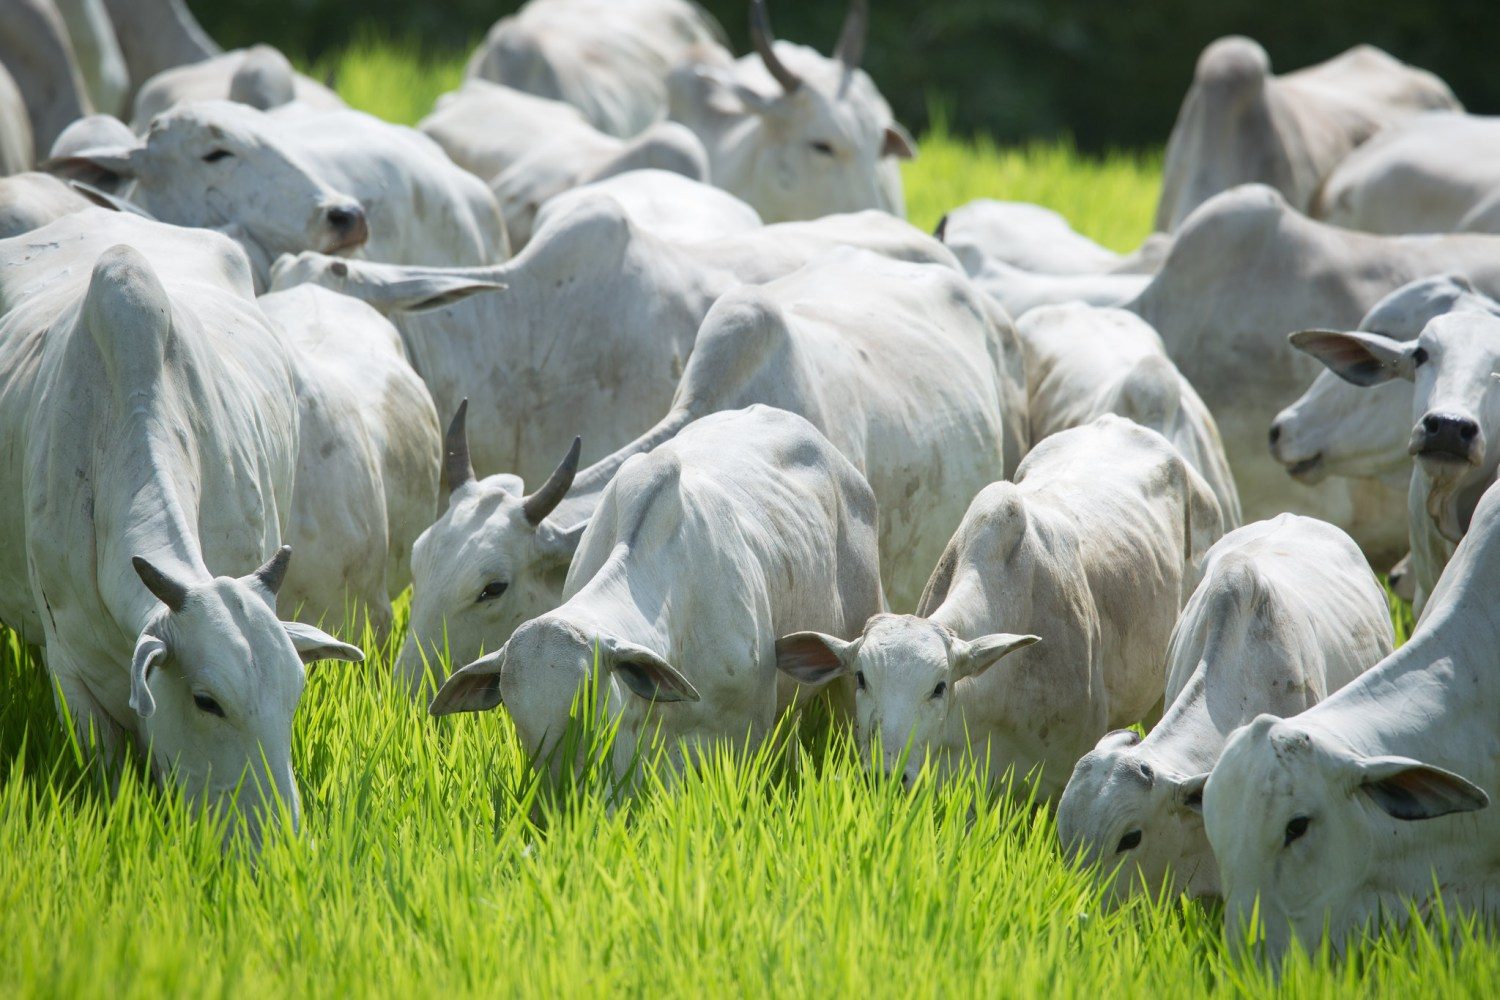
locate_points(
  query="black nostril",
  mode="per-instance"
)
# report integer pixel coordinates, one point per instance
(1467, 431)
(343, 218)
(1432, 423)
(1275, 433)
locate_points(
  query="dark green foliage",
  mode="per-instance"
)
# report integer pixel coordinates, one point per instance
(1108, 73)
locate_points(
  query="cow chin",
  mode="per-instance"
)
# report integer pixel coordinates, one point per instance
(1443, 503)
(1309, 471)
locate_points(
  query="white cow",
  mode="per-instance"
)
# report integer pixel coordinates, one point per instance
(100, 61)
(227, 166)
(607, 58)
(367, 460)
(259, 76)
(1354, 809)
(17, 149)
(36, 51)
(31, 200)
(1484, 217)
(593, 327)
(1287, 613)
(1018, 292)
(155, 35)
(792, 132)
(150, 420)
(1083, 362)
(1241, 125)
(1032, 238)
(1422, 174)
(1246, 270)
(1094, 548)
(902, 366)
(747, 525)
(664, 204)
(1455, 409)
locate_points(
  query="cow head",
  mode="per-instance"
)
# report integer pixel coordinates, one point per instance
(907, 674)
(793, 133)
(1121, 809)
(1306, 826)
(1456, 403)
(489, 563)
(214, 164)
(540, 673)
(215, 680)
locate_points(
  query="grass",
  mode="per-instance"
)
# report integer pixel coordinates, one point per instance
(419, 870)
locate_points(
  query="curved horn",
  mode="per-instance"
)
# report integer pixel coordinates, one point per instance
(544, 501)
(165, 589)
(851, 47)
(760, 35)
(457, 469)
(273, 572)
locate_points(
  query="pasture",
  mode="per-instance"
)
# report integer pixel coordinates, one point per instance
(427, 868)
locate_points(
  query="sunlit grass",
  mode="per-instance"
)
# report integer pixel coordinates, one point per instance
(420, 870)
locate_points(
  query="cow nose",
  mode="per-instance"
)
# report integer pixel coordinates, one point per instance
(349, 222)
(1447, 424)
(1447, 434)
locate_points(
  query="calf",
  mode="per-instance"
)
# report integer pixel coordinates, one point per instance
(746, 525)
(1092, 549)
(1287, 613)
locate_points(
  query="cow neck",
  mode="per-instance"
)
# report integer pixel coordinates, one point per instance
(588, 487)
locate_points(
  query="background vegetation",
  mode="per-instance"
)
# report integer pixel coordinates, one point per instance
(1108, 73)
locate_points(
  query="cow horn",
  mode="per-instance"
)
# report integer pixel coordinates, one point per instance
(457, 469)
(760, 35)
(851, 47)
(170, 592)
(273, 572)
(544, 501)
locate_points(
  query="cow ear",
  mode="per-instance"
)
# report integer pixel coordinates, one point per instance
(560, 544)
(315, 644)
(1188, 792)
(106, 164)
(898, 143)
(434, 292)
(112, 202)
(475, 688)
(1363, 359)
(977, 656)
(813, 658)
(1410, 790)
(149, 651)
(648, 675)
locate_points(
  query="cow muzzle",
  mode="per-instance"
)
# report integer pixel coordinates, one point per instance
(347, 225)
(1446, 439)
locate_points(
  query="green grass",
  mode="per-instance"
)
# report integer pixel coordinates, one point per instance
(420, 872)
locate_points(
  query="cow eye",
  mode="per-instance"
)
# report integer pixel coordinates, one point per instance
(821, 147)
(859, 679)
(214, 156)
(207, 704)
(1129, 842)
(491, 590)
(1419, 357)
(1295, 827)
(940, 690)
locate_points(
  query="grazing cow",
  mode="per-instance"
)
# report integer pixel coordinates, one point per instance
(35, 49)
(1093, 548)
(150, 419)
(1369, 801)
(747, 525)
(1083, 362)
(602, 357)
(1422, 174)
(1287, 613)
(902, 366)
(607, 58)
(224, 165)
(367, 460)
(796, 134)
(1241, 125)
(664, 204)
(155, 35)
(1245, 271)
(1456, 411)
(100, 62)
(259, 76)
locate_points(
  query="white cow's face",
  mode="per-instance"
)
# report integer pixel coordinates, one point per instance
(1120, 810)
(1306, 828)
(906, 672)
(543, 670)
(1337, 429)
(218, 165)
(216, 679)
(489, 563)
(830, 145)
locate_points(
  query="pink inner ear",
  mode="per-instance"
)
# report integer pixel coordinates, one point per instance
(807, 658)
(897, 145)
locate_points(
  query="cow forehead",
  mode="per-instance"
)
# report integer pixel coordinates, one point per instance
(227, 635)
(905, 642)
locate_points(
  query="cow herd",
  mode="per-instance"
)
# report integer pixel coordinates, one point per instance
(626, 363)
